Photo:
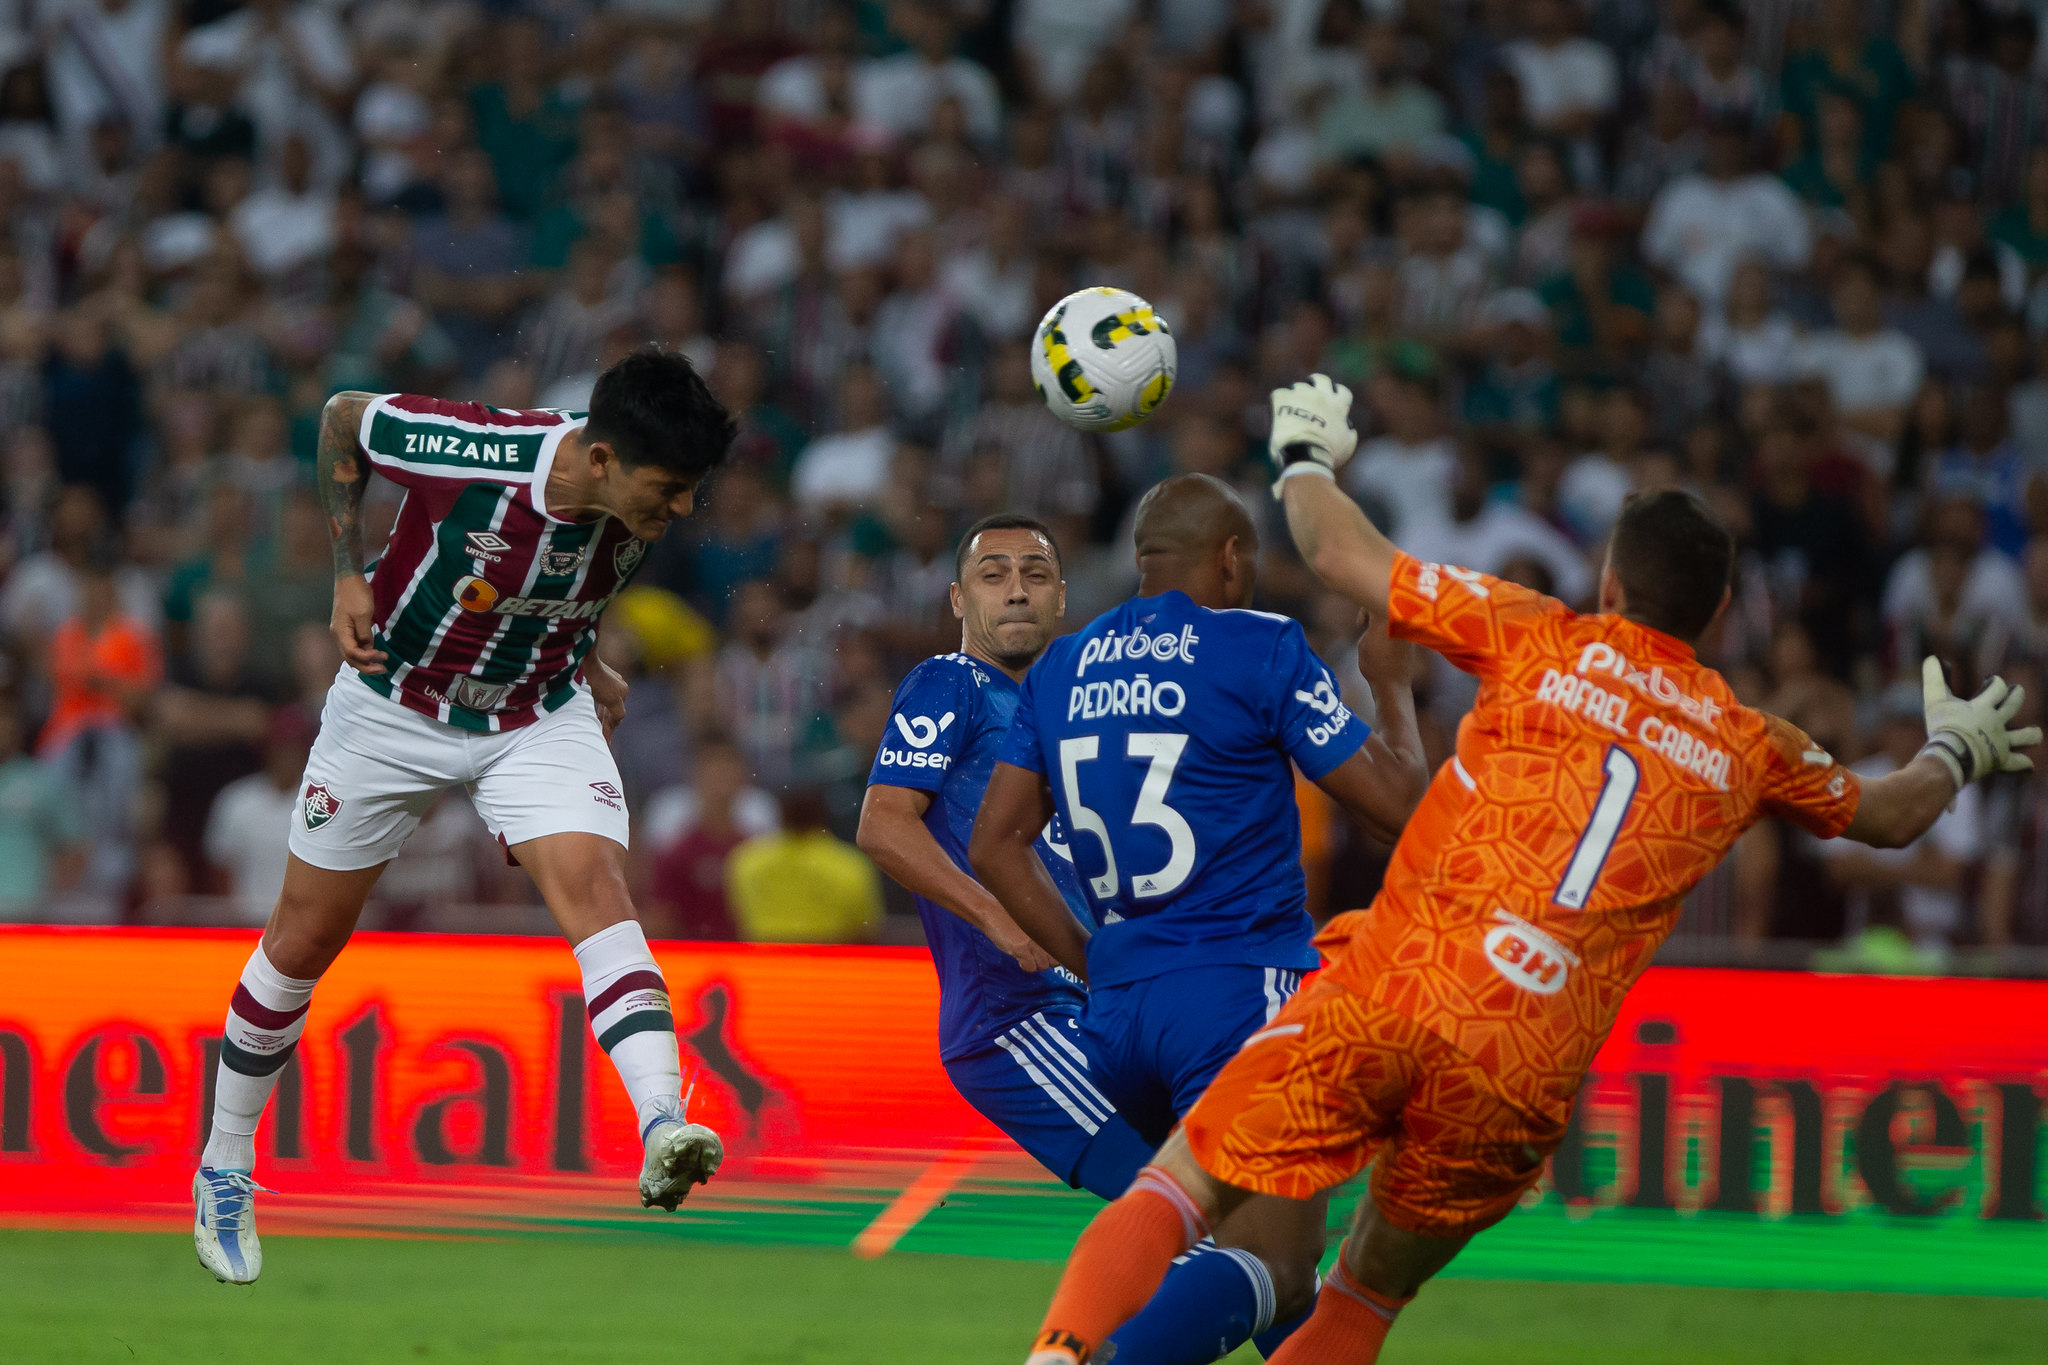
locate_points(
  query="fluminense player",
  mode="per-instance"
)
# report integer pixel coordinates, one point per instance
(1166, 735)
(1601, 773)
(468, 663)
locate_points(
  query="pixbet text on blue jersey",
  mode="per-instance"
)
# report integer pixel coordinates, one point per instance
(1166, 732)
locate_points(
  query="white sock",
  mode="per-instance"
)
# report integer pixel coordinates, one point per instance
(265, 1019)
(629, 1013)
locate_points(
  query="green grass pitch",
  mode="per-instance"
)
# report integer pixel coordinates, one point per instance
(141, 1298)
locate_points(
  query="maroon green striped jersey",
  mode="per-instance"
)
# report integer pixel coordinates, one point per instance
(486, 602)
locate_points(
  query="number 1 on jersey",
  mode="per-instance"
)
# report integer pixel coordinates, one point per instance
(1597, 840)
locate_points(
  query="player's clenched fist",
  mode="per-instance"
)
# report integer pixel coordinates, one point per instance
(354, 624)
(1311, 428)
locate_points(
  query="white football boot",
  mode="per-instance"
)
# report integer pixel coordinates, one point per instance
(224, 1224)
(679, 1154)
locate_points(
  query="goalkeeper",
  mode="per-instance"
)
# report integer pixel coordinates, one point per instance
(1602, 772)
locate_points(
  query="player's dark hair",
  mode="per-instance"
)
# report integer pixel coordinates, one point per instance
(1673, 557)
(653, 408)
(1003, 521)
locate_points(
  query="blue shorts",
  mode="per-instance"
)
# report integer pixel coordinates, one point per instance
(1157, 1043)
(1036, 1082)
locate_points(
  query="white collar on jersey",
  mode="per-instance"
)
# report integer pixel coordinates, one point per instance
(545, 465)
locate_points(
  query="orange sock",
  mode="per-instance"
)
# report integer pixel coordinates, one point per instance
(1118, 1263)
(1349, 1326)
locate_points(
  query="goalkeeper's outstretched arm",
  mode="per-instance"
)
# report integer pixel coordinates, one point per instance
(1312, 436)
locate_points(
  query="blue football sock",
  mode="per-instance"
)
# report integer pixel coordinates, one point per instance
(1212, 1302)
(1269, 1340)
(1114, 1157)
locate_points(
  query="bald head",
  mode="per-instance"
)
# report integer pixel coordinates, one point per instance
(1194, 535)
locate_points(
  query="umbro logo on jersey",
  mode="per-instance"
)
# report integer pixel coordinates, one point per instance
(321, 805)
(486, 545)
(605, 794)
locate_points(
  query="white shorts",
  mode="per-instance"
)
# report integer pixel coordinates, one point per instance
(377, 767)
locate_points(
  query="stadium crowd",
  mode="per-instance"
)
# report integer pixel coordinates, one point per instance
(1792, 254)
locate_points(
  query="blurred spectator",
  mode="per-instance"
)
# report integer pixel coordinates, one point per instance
(803, 884)
(1920, 886)
(92, 406)
(1702, 225)
(849, 467)
(44, 590)
(1871, 371)
(1041, 466)
(2013, 895)
(42, 827)
(107, 62)
(1953, 596)
(1681, 388)
(523, 122)
(1568, 82)
(1845, 55)
(772, 685)
(1407, 473)
(1490, 534)
(914, 336)
(103, 666)
(1593, 486)
(1601, 304)
(686, 882)
(1812, 547)
(914, 583)
(246, 830)
(212, 717)
(1751, 340)
(1515, 392)
(898, 93)
(1987, 468)
(295, 589)
(467, 259)
(1388, 113)
(289, 223)
(570, 326)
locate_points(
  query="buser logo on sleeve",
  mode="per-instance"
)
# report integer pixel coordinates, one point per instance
(919, 732)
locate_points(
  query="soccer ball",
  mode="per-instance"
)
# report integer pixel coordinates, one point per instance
(1102, 360)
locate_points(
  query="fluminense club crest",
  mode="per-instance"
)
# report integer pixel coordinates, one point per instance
(321, 805)
(626, 558)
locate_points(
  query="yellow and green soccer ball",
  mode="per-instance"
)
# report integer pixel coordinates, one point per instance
(1102, 360)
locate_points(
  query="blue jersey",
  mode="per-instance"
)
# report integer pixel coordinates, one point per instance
(1165, 731)
(947, 727)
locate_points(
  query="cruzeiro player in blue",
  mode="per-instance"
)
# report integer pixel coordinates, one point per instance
(1165, 736)
(1008, 1014)
(1006, 1009)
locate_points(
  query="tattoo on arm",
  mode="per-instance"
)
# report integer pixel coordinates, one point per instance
(343, 471)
